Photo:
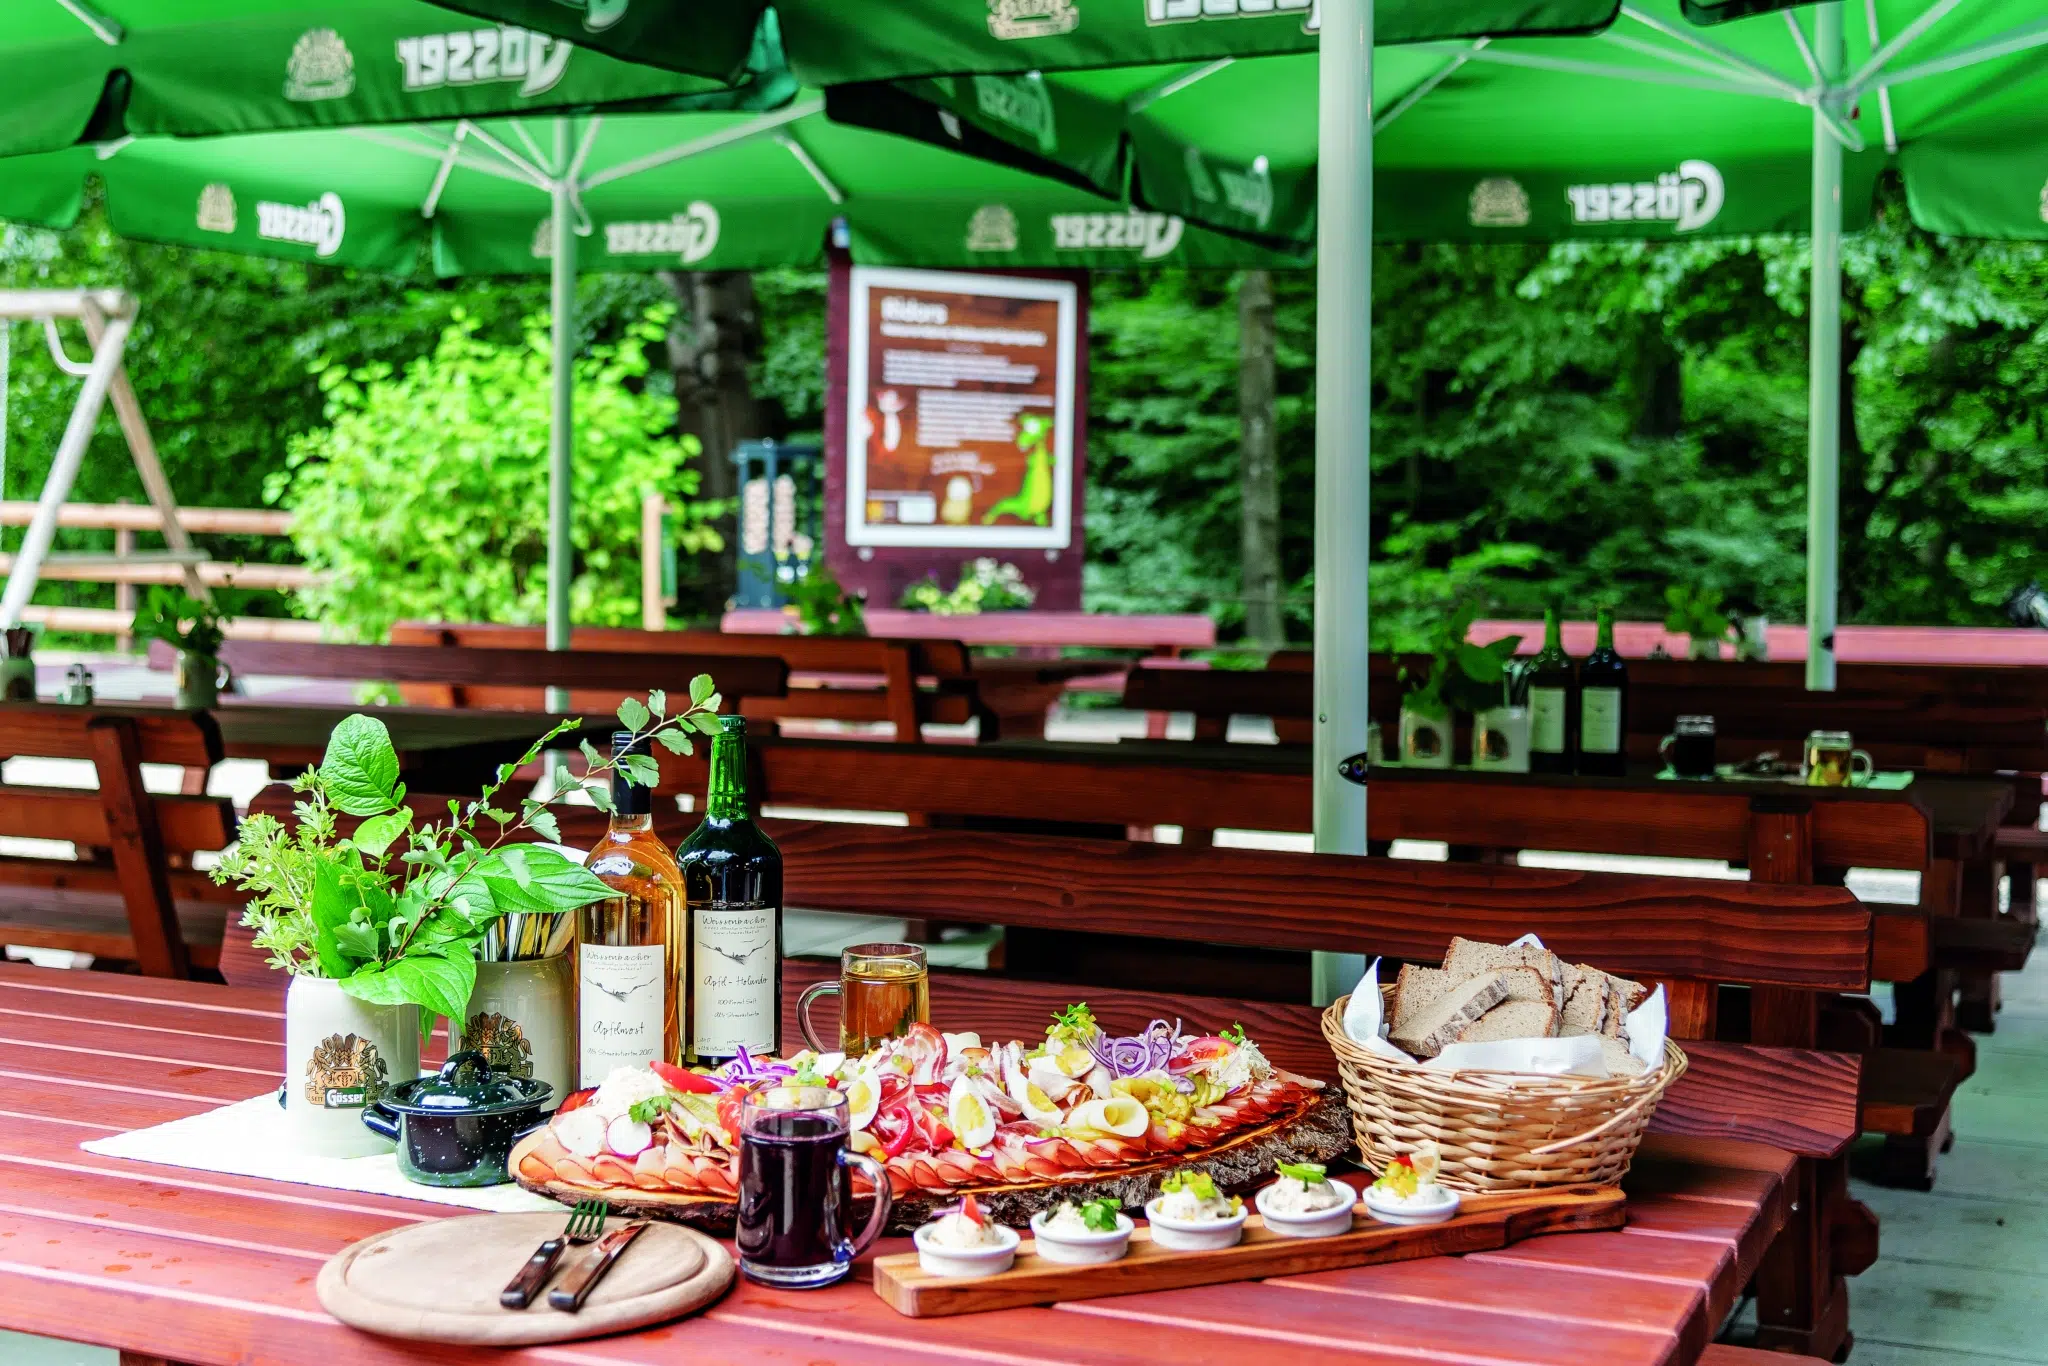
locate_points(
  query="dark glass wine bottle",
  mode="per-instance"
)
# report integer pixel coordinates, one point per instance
(1553, 691)
(1603, 705)
(732, 878)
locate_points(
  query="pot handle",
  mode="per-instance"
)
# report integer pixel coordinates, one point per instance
(380, 1121)
(468, 1057)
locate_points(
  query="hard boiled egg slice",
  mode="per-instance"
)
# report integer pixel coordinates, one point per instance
(1050, 1079)
(863, 1095)
(1038, 1107)
(972, 1119)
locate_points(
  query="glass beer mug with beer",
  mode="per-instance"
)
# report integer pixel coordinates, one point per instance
(883, 990)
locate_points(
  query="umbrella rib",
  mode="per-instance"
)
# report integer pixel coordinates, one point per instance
(2016, 40)
(433, 199)
(103, 28)
(1884, 93)
(1179, 83)
(415, 148)
(1710, 67)
(1882, 57)
(526, 140)
(1641, 75)
(753, 128)
(1805, 50)
(803, 159)
(532, 169)
(1429, 83)
(1711, 48)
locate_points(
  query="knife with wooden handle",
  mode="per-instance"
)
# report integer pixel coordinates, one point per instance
(577, 1285)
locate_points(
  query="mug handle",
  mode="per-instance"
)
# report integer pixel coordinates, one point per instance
(1862, 768)
(878, 1217)
(803, 1012)
(380, 1121)
(1664, 749)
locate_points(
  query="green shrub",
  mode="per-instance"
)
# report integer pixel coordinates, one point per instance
(426, 495)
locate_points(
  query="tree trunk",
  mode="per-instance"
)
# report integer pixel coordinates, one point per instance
(1660, 385)
(712, 344)
(1259, 540)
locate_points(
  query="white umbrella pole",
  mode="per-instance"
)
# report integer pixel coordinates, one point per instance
(1824, 386)
(562, 414)
(1343, 526)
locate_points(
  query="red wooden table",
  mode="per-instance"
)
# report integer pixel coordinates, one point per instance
(184, 1266)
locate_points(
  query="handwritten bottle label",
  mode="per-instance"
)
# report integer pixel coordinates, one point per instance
(622, 1003)
(733, 956)
(1546, 720)
(1600, 720)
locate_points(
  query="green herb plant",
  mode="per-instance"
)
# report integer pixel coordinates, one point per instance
(393, 911)
(1699, 613)
(163, 616)
(985, 586)
(823, 606)
(1460, 676)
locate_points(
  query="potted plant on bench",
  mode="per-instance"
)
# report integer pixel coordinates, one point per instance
(164, 615)
(1461, 677)
(1698, 614)
(377, 917)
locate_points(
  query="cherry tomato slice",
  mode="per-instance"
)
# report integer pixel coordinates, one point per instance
(576, 1100)
(682, 1079)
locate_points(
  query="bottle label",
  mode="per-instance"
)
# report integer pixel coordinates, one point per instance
(733, 957)
(1546, 720)
(622, 1004)
(1600, 720)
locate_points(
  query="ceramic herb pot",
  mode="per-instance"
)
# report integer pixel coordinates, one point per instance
(457, 1128)
(522, 1018)
(1500, 739)
(1425, 740)
(197, 680)
(17, 679)
(340, 1054)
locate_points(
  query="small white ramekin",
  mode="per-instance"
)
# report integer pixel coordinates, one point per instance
(1323, 1223)
(1412, 1214)
(1081, 1249)
(940, 1260)
(1196, 1235)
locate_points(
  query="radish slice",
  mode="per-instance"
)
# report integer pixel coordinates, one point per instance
(581, 1132)
(628, 1137)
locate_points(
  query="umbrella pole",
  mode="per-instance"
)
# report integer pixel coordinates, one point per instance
(1343, 526)
(1824, 385)
(562, 414)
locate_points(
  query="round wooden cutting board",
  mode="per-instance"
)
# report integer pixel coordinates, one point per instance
(438, 1281)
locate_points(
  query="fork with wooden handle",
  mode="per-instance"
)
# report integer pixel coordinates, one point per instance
(586, 1221)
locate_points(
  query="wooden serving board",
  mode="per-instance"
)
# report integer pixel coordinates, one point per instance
(1482, 1224)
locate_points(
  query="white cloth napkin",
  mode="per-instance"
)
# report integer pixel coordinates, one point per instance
(249, 1138)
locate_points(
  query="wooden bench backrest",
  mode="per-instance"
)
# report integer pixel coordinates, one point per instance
(884, 686)
(739, 676)
(50, 730)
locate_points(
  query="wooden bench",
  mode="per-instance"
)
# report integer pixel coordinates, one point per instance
(905, 684)
(130, 894)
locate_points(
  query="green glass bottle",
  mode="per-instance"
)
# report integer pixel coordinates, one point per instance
(1553, 689)
(1603, 705)
(732, 880)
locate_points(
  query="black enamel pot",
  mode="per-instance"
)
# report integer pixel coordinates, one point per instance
(458, 1127)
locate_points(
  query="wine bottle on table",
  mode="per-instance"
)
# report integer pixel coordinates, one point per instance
(632, 950)
(1603, 705)
(1553, 688)
(732, 875)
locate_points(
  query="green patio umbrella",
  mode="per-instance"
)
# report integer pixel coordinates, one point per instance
(704, 191)
(100, 69)
(831, 41)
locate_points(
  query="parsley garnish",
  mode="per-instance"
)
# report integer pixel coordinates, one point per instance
(1235, 1034)
(1100, 1215)
(648, 1110)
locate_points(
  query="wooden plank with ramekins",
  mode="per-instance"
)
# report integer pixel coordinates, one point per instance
(216, 1270)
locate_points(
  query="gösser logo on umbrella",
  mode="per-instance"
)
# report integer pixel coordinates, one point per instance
(319, 225)
(1689, 197)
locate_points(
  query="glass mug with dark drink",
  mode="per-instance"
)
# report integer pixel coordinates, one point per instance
(795, 1198)
(1689, 749)
(1832, 760)
(883, 990)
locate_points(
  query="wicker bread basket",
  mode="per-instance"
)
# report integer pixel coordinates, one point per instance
(1497, 1130)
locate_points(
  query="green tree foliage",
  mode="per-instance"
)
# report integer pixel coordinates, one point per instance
(426, 493)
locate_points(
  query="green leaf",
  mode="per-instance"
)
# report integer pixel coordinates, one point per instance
(543, 822)
(550, 883)
(642, 770)
(657, 702)
(1481, 666)
(706, 722)
(330, 910)
(590, 754)
(633, 713)
(360, 767)
(702, 689)
(674, 741)
(601, 798)
(358, 941)
(439, 984)
(375, 835)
